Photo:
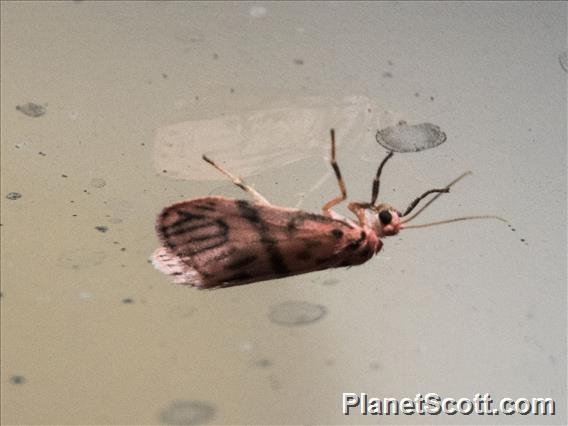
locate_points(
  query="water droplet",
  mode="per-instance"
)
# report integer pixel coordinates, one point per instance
(187, 413)
(410, 138)
(80, 258)
(98, 183)
(294, 313)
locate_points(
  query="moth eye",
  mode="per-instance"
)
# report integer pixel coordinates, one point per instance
(385, 217)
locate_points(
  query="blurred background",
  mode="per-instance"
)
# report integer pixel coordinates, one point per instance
(106, 108)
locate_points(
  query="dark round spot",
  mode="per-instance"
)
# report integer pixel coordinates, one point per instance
(263, 363)
(337, 233)
(101, 228)
(32, 110)
(185, 412)
(385, 217)
(127, 300)
(17, 380)
(13, 196)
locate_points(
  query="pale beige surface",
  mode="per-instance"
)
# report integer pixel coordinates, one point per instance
(455, 310)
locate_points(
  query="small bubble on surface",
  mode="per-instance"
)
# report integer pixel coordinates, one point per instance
(183, 412)
(182, 312)
(374, 365)
(294, 313)
(257, 11)
(98, 183)
(85, 295)
(80, 258)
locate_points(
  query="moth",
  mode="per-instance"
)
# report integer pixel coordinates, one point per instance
(216, 242)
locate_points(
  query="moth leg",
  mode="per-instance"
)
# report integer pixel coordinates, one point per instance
(239, 182)
(358, 210)
(377, 181)
(326, 208)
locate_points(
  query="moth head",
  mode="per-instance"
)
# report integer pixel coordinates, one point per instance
(388, 220)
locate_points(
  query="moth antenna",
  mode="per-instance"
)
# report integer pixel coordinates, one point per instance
(421, 209)
(457, 219)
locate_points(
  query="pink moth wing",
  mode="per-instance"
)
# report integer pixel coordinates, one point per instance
(218, 242)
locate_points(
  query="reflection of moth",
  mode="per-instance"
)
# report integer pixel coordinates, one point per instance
(218, 242)
(263, 138)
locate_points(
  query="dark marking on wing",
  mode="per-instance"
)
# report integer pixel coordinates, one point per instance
(239, 276)
(366, 252)
(323, 260)
(186, 243)
(249, 213)
(241, 262)
(356, 244)
(186, 216)
(205, 207)
(310, 244)
(292, 226)
(221, 256)
(169, 232)
(201, 250)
